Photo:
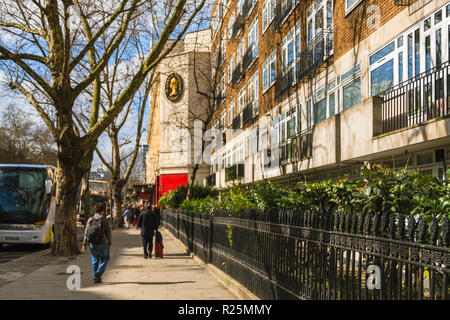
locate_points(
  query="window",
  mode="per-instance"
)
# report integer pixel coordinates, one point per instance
(253, 93)
(320, 110)
(417, 50)
(350, 5)
(319, 33)
(352, 93)
(231, 65)
(319, 18)
(290, 52)
(240, 51)
(241, 100)
(269, 71)
(230, 25)
(253, 38)
(268, 13)
(382, 69)
(284, 127)
(231, 107)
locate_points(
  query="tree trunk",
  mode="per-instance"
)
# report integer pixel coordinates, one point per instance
(85, 199)
(191, 185)
(65, 230)
(117, 200)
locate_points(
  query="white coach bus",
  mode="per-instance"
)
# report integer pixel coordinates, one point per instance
(27, 204)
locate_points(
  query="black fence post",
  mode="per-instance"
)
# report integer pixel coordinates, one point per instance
(211, 232)
(178, 224)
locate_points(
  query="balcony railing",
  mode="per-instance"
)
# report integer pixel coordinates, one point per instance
(237, 123)
(237, 75)
(249, 56)
(417, 100)
(315, 53)
(247, 7)
(403, 3)
(295, 149)
(238, 26)
(282, 12)
(211, 180)
(219, 100)
(234, 172)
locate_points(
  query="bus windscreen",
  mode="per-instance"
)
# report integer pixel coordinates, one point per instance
(23, 199)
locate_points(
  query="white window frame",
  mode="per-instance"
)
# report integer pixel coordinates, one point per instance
(293, 37)
(231, 22)
(270, 68)
(231, 66)
(231, 107)
(407, 50)
(253, 38)
(240, 51)
(350, 8)
(253, 93)
(268, 13)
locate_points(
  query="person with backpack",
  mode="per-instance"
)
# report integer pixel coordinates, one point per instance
(98, 236)
(148, 222)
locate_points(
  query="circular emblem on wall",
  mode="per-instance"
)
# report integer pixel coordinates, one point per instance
(174, 87)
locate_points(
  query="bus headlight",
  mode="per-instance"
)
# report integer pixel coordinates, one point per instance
(38, 225)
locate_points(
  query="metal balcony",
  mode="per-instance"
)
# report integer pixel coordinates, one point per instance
(403, 3)
(237, 124)
(281, 13)
(317, 51)
(249, 56)
(234, 172)
(417, 100)
(237, 75)
(238, 26)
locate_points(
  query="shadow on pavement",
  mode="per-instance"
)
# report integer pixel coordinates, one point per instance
(148, 283)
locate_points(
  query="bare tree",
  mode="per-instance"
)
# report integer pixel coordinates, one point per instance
(52, 61)
(23, 141)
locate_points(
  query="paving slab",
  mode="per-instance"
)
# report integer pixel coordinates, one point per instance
(128, 275)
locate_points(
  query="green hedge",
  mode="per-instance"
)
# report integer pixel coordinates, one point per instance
(378, 190)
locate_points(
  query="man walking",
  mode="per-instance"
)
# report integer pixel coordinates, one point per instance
(98, 236)
(127, 216)
(148, 222)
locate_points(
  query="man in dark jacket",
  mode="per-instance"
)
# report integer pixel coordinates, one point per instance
(148, 222)
(101, 248)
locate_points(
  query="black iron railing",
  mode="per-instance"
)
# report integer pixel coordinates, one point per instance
(249, 56)
(238, 26)
(294, 149)
(211, 180)
(281, 12)
(322, 256)
(403, 3)
(235, 171)
(417, 100)
(237, 75)
(248, 5)
(237, 122)
(318, 50)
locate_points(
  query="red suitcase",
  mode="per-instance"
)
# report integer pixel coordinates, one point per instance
(159, 245)
(159, 249)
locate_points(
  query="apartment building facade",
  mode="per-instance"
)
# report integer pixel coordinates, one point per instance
(317, 89)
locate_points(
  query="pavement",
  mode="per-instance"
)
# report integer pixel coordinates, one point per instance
(128, 276)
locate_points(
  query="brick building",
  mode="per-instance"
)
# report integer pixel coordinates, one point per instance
(317, 89)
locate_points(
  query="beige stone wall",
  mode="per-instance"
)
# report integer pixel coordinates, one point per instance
(170, 124)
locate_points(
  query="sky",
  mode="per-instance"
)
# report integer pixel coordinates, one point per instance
(7, 97)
